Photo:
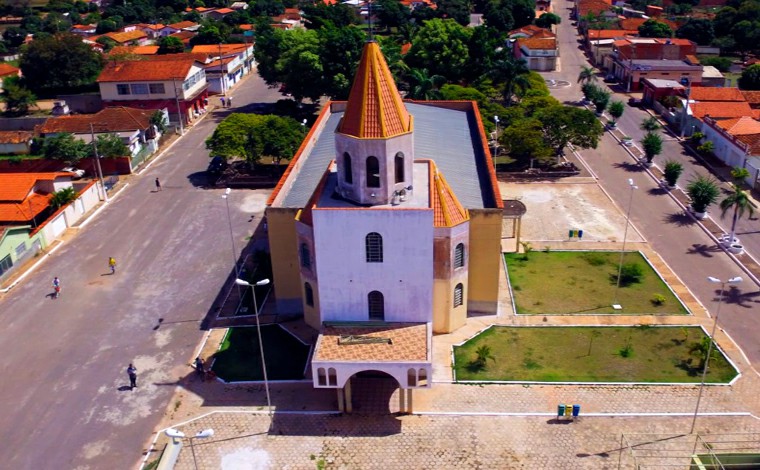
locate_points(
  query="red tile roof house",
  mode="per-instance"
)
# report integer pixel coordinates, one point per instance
(219, 13)
(153, 30)
(237, 62)
(540, 51)
(715, 103)
(132, 125)
(15, 142)
(736, 141)
(634, 59)
(176, 85)
(130, 38)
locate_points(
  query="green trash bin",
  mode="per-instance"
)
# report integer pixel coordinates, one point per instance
(560, 410)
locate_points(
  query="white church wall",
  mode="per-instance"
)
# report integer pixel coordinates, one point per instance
(405, 277)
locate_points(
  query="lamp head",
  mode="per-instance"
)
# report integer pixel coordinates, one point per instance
(735, 280)
(714, 280)
(241, 282)
(262, 282)
(205, 433)
(227, 191)
(173, 433)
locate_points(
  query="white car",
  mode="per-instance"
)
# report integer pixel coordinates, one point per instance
(77, 172)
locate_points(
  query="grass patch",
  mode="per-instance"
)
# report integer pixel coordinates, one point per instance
(558, 282)
(21, 157)
(239, 358)
(591, 354)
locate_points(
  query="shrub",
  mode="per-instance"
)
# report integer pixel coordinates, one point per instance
(631, 273)
(658, 300)
(697, 136)
(626, 351)
(594, 259)
(706, 148)
(703, 191)
(672, 172)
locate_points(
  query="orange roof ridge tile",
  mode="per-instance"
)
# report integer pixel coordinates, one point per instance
(447, 210)
(375, 109)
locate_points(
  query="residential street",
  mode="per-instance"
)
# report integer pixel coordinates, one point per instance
(65, 396)
(683, 245)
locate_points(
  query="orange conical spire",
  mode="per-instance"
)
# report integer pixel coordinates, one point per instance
(375, 109)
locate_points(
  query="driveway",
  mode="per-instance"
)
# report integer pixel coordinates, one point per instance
(65, 400)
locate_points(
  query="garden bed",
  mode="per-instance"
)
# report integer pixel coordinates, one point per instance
(641, 354)
(584, 282)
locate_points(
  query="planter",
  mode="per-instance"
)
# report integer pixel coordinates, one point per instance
(647, 164)
(726, 240)
(612, 125)
(699, 215)
(627, 141)
(665, 184)
(735, 248)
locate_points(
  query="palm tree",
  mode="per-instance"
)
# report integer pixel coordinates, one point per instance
(652, 144)
(650, 124)
(62, 197)
(587, 75)
(739, 201)
(423, 86)
(513, 73)
(739, 174)
(483, 354)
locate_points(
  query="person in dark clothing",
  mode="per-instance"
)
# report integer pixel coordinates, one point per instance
(132, 373)
(158, 185)
(200, 368)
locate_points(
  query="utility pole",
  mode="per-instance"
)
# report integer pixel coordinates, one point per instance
(684, 114)
(97, 163)
(179, 111)
(222, 74)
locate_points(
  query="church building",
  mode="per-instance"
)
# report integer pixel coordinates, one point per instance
(385, 229)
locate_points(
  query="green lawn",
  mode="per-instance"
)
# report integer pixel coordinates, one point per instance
(239, 358)
(583, 282)
(21, 157)
(590, 354)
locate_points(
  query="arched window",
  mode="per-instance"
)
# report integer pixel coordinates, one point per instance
(347, 170)
(373, 172)
(459, 256)
(399, 164)
(332, 377)
(321, 378)
(422, 381)
(458, 295)
(411, 377)
(309, 294)
(373, 244)
(305, 256)
(376, 305)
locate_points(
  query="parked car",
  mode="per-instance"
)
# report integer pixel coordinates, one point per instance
(77, 172)
(634, 102)
(610, 79)
(217, 165)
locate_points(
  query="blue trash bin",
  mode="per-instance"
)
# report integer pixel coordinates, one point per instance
(576, 410)
(580, 233)
(560, 410)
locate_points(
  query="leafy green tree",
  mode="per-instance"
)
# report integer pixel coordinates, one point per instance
(63, 197)
(423, 86)
(652, 145)
(391, 13)
(698, 30)
(650, 124)
(253, 136)
(55, 23)
(723, 64)
(208, 34)
(107, 43)
(523, 11)
(703, 191)
(268, 51)
(498, 15)
(738, 201)
(750, 78)
(159, 120)
(111, 145)
(107, 26)
(392, 52)
(340, 50)
(511, 73)
(58, 62)
(319, 14)
(524, 140)
(14, 36)
(724, 20)
(616, 110)
(441, 47)
(745, 34)
(31, 24)
(65, 147)
(299, 66)
(563, 125)
(458, 10)
(266, 8)
(600, 100)
(170, 45)
(484, 49)
(739, 174)
(17, 99)
(547, 20)
(655, 29)
(590, 91)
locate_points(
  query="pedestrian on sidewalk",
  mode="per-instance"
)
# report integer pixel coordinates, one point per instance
(132, 373)
(200, 368)
(158, 185)
(229, 101)
(221, 98)
(112, 264)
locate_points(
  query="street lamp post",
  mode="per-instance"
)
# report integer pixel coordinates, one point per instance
(684, 114)
(226, 197)
(615, 304)
(262, 282)
(714, 280)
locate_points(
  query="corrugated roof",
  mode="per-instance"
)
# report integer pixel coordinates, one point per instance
(123, 37)
(137, 50)
(375, 109)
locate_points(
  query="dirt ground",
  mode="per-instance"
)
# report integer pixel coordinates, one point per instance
(555, 209)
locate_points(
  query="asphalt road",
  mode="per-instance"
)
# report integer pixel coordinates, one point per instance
(64, 396)
(675, 236)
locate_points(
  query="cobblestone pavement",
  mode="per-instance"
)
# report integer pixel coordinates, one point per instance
(245, 441)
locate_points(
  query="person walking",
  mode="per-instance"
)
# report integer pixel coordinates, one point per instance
(200, 368)
(56, 287)
(229, 101)
(221, 98)
(158, 185)
(132, 373)
(112, 265)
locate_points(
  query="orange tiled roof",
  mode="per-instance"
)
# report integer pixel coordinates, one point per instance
(216, 49)
(405, 48)
(447, 210)
(121, 38)
(15, 137)
(753, 141)
(152, 27)
(594, 34)
(196, 56)
(720, 109)
(16, 187)
(183, 25)
(224, 11)
(744, 125)
(538, 43)
(705, 93)
(183, 36)
(408, 342)
(529, 30)
(143, 70)
(634, 23)
(8, 69)
(374, 109)
(245, 27)
(584, 7)
(25, 210)
(137, 50)
(752, 97)
(114, 119)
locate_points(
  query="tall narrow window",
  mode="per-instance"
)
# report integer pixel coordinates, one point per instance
(373, 172)
(458, 295)
(399, 164)
(347, 169)
(309, 294)
(373, 244)
(305, 256)
(376, 306)
(459, 256)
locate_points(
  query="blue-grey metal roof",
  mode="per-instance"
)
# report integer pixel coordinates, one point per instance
(448, 137)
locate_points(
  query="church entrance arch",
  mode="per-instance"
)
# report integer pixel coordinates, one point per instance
(372, 392)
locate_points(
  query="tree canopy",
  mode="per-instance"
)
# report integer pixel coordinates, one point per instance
(65, 147)
(253, 136)
(170, 45)
(698, 30)
(547, 20)
(61, 61)
(655, 29)
(17, 99)
(441, 47)
(750, 79)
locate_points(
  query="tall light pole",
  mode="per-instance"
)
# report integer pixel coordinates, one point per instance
(615, 304)
(226, 198)
(96, 156)
(496, 136)
(262, 282)
(714, 280)
(684, 114)
(177, 435)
